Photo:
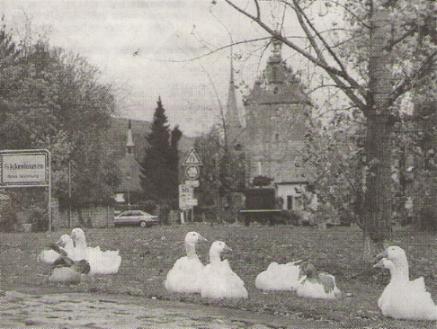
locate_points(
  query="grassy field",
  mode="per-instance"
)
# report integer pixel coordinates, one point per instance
(149, 253)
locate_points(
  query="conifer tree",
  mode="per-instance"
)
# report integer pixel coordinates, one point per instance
(156, 172)
(176, 135)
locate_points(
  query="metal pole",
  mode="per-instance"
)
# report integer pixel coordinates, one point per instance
(50, 190)
(69, 193)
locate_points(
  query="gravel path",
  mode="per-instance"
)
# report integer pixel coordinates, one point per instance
(78, 310)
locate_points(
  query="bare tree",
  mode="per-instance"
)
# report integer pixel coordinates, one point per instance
(374, 62)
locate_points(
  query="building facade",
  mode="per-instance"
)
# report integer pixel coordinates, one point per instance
(130, 171)
(276, 116)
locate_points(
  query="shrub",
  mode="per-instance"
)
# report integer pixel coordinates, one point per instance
(39, 220)
(428, 219)
(8, 219)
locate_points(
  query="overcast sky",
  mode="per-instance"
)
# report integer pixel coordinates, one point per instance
(109, 32)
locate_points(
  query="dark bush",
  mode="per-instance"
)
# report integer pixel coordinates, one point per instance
(428, 219)
(293, 217)
(39, 220)
(8, 219)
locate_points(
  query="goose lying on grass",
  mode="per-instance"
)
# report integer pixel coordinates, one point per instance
(317, 285)
(219, 281)
(50, 256)
(402, 298)
(101, 262)
(279, 277)
(185, 275)
(68, 271)
(66, 245)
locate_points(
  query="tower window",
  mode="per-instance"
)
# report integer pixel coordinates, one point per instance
(276, 137)
(275, 90)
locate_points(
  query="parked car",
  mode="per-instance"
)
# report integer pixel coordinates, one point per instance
(135, 217)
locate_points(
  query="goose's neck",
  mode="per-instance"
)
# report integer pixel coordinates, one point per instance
(191, 250)
(69, 245)
(214, 257)
(80, 243)
(399, 272)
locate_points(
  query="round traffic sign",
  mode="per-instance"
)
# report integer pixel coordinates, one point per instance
(192, 172)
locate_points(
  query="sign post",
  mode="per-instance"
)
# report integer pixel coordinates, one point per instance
(191, 165)
(27, 168)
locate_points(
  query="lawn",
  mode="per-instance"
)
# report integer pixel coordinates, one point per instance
(147, 255)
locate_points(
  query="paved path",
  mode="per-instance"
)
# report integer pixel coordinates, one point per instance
(74, 310)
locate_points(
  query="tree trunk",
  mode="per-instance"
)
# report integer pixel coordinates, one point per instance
(370, 249)
(378, 203)
(378, 147)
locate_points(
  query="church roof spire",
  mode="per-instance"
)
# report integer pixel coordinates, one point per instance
(232, 117)
(130, 140)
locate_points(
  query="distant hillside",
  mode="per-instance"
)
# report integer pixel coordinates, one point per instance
(118, 135)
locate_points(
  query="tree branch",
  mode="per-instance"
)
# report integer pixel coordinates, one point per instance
(346, 75)
(408, 82)
(346, 89)
(390, 46)
(216, 50)
(360, 20)
(284, 40)
(319, 61)
(258, 12)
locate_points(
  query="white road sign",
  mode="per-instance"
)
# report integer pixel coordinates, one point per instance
(192, 202)
(192, 172)
(192, 183)
(24, 169)
(185, 194)
(192, 159)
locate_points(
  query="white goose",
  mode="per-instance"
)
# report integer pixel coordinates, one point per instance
(185, 275)
(317, 285)
(279, 277)
(219, 281)
(49, 256)
(67, 244)
(402, 298)
(101, 262)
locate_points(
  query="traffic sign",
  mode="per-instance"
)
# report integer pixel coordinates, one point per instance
(192, 159)
(24, 168)
(192, 202)
(185, 194)
(192, 183)
(192, 172)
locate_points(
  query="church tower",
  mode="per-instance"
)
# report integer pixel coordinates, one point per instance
(232, 118)
(276, 112)
(129, 190)
(130, 146)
